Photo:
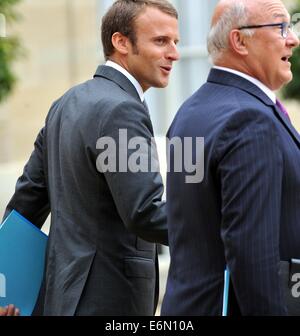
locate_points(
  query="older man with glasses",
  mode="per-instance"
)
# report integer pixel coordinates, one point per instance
(245, 214)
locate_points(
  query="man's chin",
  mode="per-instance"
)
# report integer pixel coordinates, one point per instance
(162, 85)
(289, 78)
(284, 80)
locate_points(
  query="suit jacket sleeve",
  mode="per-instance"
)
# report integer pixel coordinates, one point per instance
(250, 168)
(137, 194)
(31, 194)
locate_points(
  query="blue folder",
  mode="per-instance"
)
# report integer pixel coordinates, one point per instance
(226, 292)
(22, 257)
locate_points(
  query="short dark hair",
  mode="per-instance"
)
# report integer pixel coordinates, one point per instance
(121, 16)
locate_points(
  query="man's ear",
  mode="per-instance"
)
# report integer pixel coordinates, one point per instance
(120, 43)
(238, 42)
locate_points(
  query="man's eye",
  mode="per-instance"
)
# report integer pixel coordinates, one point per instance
(160, 41)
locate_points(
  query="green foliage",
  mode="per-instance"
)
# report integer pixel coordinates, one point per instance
(7, 8)
(9, 50)
(292, 90)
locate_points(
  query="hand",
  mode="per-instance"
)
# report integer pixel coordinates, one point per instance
(10, 310)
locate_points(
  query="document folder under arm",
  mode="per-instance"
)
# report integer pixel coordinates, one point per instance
(22, 257)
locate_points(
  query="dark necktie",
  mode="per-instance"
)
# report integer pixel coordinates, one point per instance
(282, 108)
(145, 104)
(146, 107)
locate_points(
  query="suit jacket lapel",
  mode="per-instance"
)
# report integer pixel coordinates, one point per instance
(230, 79)
(116, 76)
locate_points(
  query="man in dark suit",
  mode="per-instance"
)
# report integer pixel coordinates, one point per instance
(245, 212)
(101, 256)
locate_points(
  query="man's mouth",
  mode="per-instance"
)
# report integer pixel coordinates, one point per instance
(286, 58)
(167, 68)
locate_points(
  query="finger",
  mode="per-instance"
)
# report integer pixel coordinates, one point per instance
(11, 310)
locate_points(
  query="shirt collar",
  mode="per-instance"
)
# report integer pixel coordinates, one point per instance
(255, 81)
(134, 82)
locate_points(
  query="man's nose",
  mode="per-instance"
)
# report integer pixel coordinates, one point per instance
(292, 39)
(173, 53)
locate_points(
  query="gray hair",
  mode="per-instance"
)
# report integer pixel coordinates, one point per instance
(236, 15)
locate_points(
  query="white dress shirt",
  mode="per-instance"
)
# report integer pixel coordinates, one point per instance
(134, 82)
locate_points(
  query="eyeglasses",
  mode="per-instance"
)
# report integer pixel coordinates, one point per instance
(284, 26)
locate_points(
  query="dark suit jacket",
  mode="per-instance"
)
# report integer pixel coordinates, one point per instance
(98, 262)
(244, 213)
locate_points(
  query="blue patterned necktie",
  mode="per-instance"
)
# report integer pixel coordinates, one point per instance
(282, 108)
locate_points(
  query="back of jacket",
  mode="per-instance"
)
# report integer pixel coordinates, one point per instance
(96, 263)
